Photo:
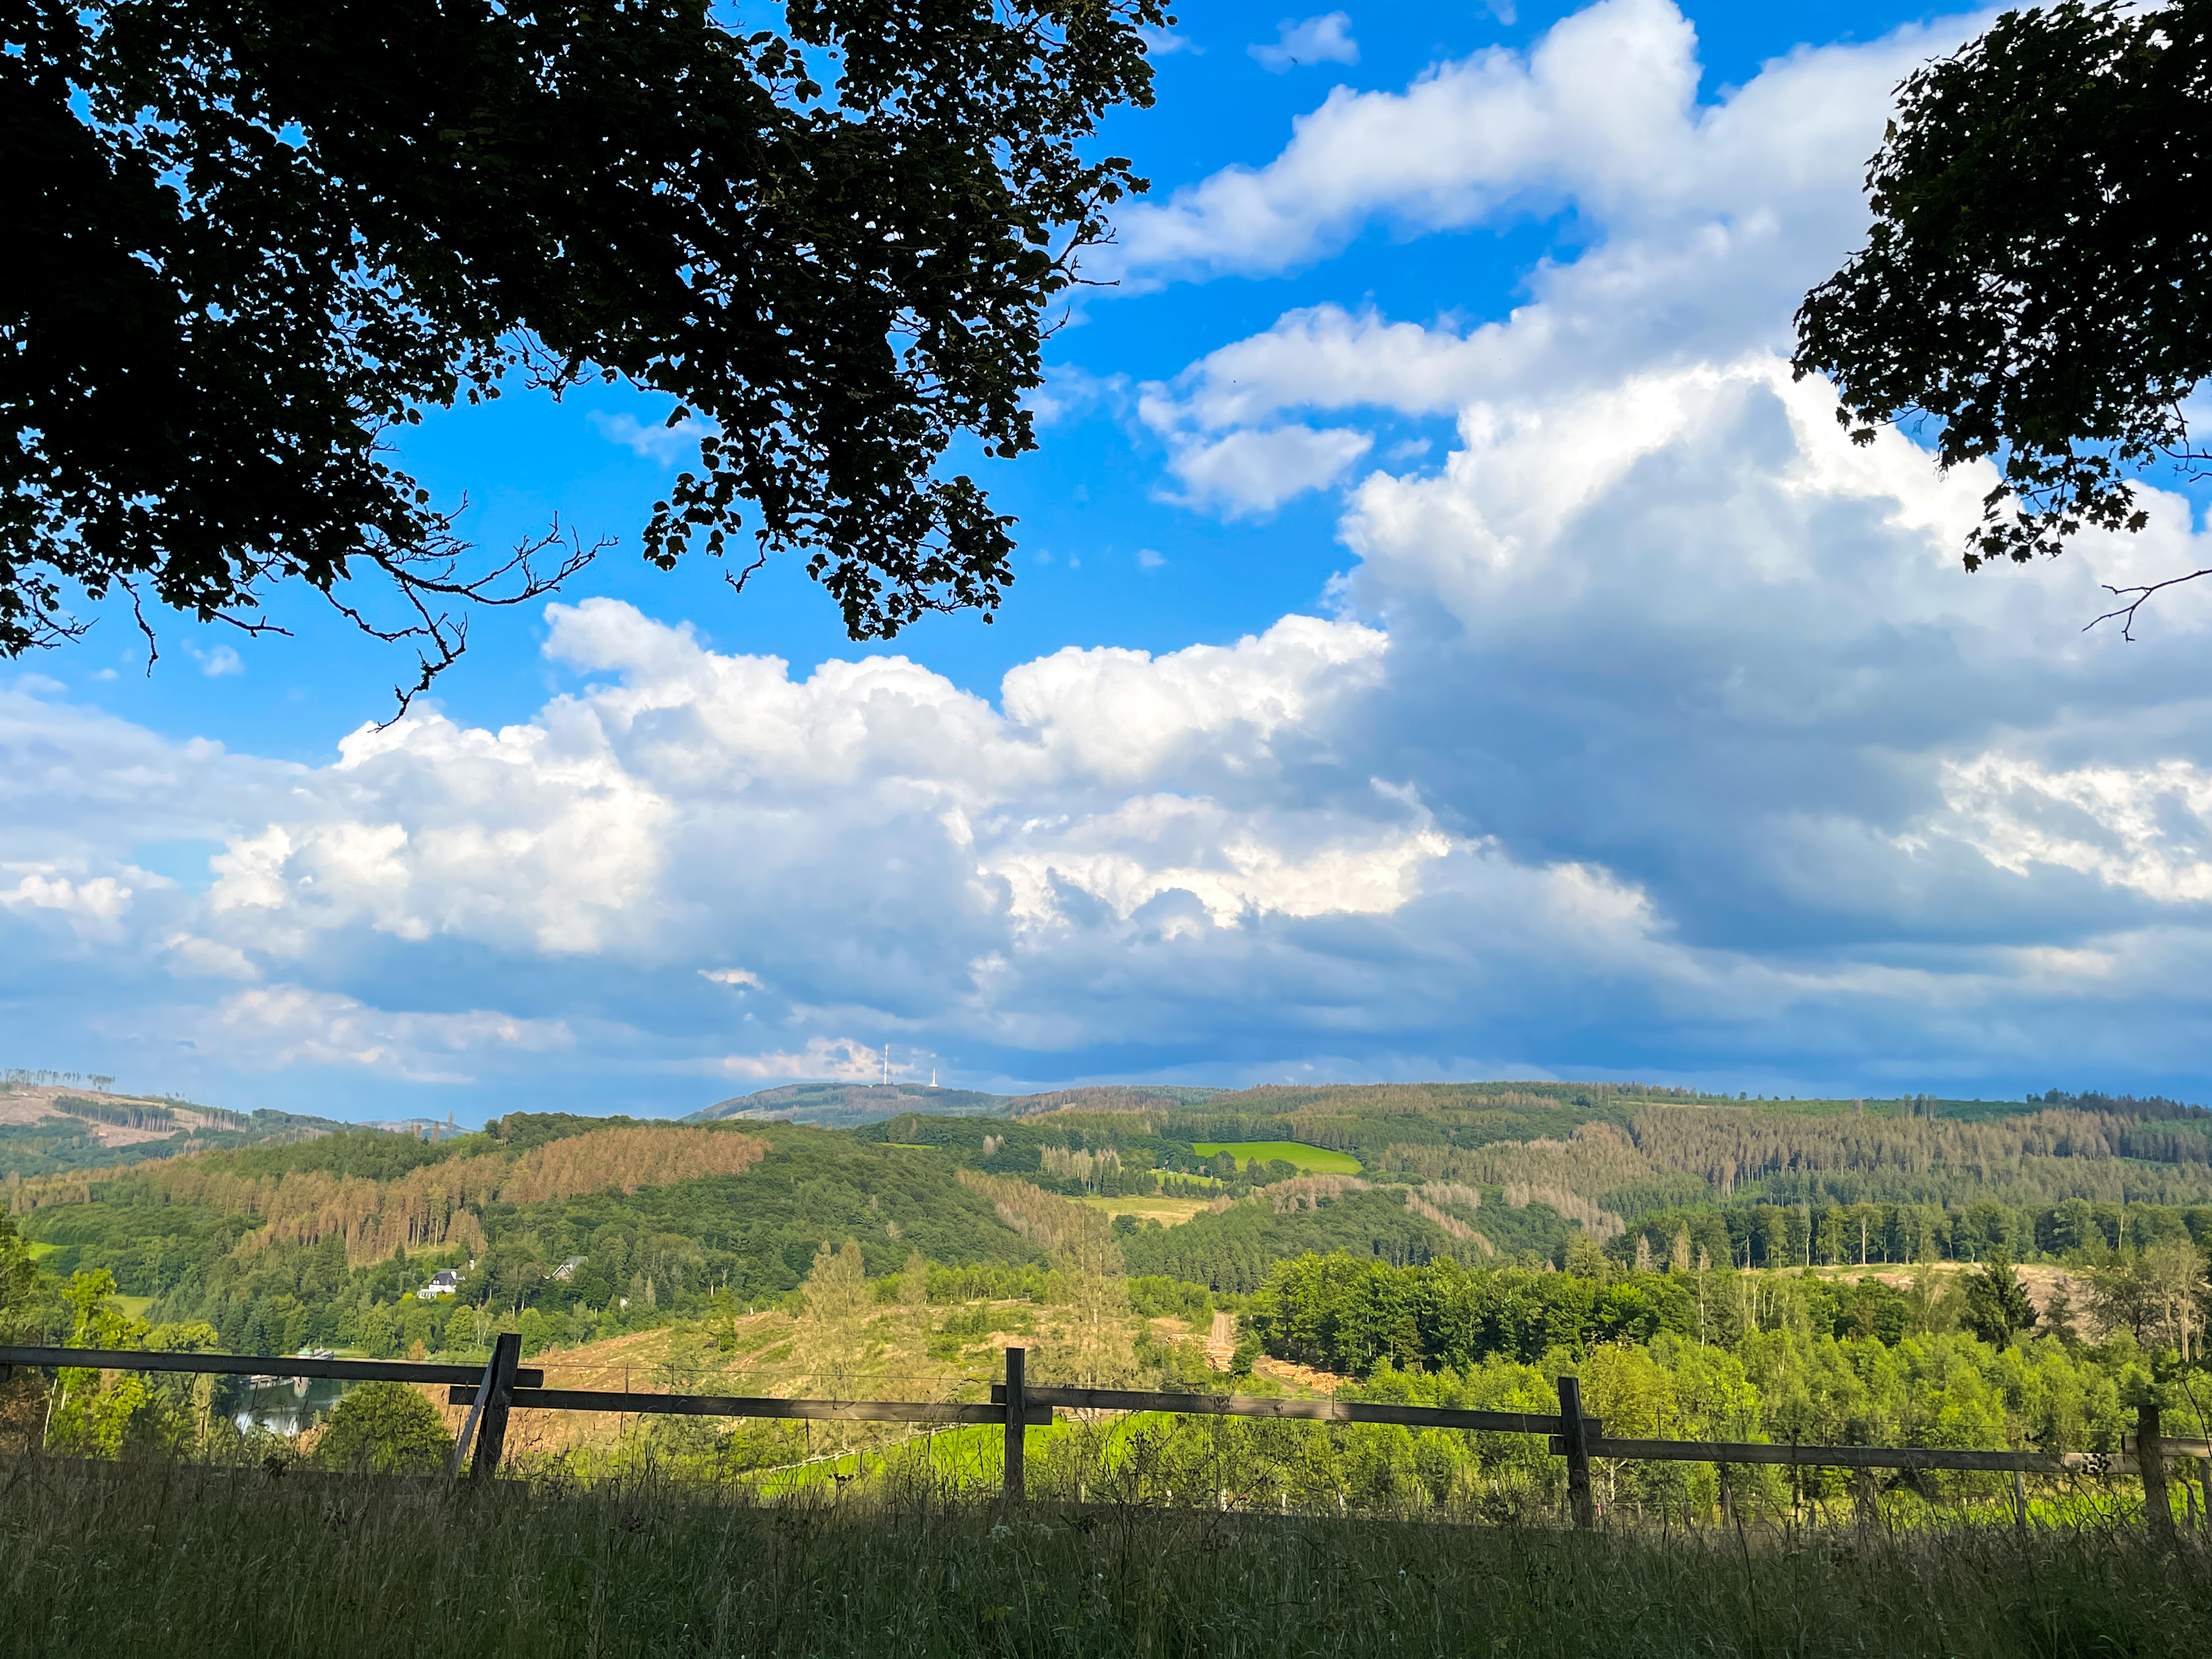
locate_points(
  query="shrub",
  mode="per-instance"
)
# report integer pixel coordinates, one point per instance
(387, 1428)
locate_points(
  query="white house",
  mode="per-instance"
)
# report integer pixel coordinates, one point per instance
(444, 1282)
(567, 1270)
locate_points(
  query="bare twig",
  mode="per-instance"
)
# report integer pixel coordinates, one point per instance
(145, 628)
(430, 573)
(738, 582)
(2127, 612)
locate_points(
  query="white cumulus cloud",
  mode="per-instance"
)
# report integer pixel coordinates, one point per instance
(657, 442)
(832, 1060)
(1660, 731)
(1256, 471)
(2147, 828)
(281, 1026)
(103, 898)
(1323, 40)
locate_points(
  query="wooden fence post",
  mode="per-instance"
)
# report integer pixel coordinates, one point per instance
(468, 1434)
(2150, 1458)
(1017, 1412)
(498, 1391)
(1570, 1431)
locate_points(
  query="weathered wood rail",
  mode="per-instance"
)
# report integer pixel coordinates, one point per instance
(1316, 1411)
(254, 1365)
(737, 1405)
(1790, 1455)
(503, 1385)
(485, 1427)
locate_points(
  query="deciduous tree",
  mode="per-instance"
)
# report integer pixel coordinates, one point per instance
(19, 1281)
(2037, 281)
(251, 242)
(2174, 1271)
(386, 1428)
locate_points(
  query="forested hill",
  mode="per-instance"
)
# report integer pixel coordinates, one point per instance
(577, 1228)
(45, 1128)
(588, 1227)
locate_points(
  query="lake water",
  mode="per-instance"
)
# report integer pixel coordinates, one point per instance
(288, 1407)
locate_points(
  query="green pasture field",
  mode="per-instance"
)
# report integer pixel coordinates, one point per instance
(1310, 1160)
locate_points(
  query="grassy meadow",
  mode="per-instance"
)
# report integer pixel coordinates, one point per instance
(1308, 1160)
(105, 1558)
(1169, 1212)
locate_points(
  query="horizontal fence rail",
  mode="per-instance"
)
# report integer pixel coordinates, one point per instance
(501, 1385)
(718, 1405)
(1317, 1411)
(252, 1364)
(1855, 1458)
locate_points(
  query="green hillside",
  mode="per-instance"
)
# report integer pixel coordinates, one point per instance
(318, 1234)
(273, 1247)
(61, 1141)
(1830, 1269)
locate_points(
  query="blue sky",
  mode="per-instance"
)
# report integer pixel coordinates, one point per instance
(1445, 643)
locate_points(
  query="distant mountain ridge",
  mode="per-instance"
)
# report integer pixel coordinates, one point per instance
(849, 1105)
(845, 1105)
(48, 1129)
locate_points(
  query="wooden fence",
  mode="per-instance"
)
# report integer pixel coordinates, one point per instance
(503, 1385)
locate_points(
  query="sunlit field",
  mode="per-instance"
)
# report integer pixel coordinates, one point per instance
(1309, 1160)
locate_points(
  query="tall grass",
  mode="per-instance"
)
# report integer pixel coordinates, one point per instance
(163, 1560)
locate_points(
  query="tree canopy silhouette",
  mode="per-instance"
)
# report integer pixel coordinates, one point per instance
(2039, 276)
(252, 240)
